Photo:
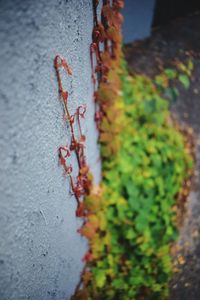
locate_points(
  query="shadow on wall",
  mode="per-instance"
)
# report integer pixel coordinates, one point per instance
(138, 16)
(141, 15)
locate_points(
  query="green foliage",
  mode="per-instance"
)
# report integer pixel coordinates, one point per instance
(184, 79)
(165, 81)
(171, 73)
(144, 166)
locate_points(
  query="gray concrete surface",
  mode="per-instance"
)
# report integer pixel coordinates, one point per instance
(40, 249)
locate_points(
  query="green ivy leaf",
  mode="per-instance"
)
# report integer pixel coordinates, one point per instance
(171, 73)
(184, 79)
(100, 278)
(172, 93)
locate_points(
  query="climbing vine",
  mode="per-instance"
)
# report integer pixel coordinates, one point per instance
(130, 218)
(81, 186)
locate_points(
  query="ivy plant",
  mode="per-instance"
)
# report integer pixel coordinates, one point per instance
(131, 221)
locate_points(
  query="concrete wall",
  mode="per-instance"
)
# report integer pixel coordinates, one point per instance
(40, 249)
(138, 17)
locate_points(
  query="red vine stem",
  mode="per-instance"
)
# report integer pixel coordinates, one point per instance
(81, 187)
(61, 63)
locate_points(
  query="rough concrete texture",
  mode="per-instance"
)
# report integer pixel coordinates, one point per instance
(41, 251)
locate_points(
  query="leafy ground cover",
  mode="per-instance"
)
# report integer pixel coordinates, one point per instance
(131, 223)
(178, 41)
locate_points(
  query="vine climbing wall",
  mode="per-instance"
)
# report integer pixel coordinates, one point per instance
(129, 229)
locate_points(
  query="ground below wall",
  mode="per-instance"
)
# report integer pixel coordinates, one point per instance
(179, 40)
